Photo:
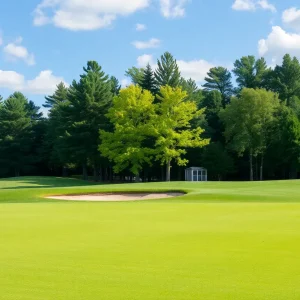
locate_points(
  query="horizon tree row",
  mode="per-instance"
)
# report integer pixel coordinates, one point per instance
(162, 122)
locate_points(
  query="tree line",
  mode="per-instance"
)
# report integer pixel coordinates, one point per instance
(241, 124)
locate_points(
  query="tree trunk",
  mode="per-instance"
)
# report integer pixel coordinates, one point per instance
(96, 173)
(106, 174)
(168, 171)
(179, 173)
(137, 178)
(111, 175)
(293, 172)
(251, 166)
(162, 174)
(256, 168)
(100, 174)
(261, 168)
(64, 172)
(84, 172)
(17, 172)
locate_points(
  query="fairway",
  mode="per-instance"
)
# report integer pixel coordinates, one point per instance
(220, 241)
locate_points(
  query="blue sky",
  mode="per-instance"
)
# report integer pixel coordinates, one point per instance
(43, 42)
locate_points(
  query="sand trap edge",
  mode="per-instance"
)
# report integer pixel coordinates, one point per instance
(117, 197)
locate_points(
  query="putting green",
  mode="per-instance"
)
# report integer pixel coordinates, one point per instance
(221, 241)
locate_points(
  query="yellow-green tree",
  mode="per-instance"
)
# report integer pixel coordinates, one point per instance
(132, 116)
(173, 127)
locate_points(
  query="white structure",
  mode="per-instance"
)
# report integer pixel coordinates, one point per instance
(195, 174)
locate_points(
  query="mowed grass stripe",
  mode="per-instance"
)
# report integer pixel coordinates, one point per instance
(186, 248)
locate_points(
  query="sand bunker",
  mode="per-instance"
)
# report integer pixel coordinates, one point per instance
(115, 197)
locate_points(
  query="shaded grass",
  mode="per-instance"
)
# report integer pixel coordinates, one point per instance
(221, 241)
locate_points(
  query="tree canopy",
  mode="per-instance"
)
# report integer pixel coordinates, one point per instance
(239, 127)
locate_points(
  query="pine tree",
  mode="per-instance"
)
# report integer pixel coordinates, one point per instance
(219, 79)
(251, 73)
(135, 74)
(148, 81)
(167, 72)
(115, 86)
(15, 133)
(59, 95)
(193, 92)
(85, 114)
(286, 79)
(33, 111)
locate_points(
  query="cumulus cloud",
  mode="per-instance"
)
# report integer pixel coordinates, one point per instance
(152, 43)
(11, 80)
(125, 82)
(278, 43)
(84, 14)
(195, 69)
(173, 8)
(15, 51)
(253, 5)
(144, 60)
(244, 5)
(44, 84)
(140, 27)
(264, 4)
(291, 17)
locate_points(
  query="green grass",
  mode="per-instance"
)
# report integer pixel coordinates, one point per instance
(222, 241)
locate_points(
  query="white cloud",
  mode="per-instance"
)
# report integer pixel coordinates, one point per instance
(195, 69)
(14, 51)
(125, 82)
(144, 60)
(84, 14)
(291, 17)
(44, 84)
(11, 80)
(173, 8)
(244, 5)
(264, 4)
(152, 43)
(253, 5)
(1, 39)
(140, 27)
(279, 42)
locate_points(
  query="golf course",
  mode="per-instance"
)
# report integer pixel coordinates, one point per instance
(221, 240)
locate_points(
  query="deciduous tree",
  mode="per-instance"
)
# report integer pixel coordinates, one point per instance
(173, 127)
(247, 122)
(132, 116)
